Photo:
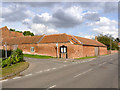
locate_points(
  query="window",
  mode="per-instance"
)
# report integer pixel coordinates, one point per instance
(74, 40)
(32, 49)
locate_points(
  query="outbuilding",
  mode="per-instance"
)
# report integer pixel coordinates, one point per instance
(56, 45)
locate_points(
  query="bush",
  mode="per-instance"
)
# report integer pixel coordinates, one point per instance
(16, 56)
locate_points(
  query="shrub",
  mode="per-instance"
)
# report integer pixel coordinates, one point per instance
(16, 56)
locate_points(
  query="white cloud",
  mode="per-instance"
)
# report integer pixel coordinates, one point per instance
(90, 36)
(1, 20)
(107, 30)
(105, 26)
(14, 13)
(92, 16)
(39, 29)
(61, 18)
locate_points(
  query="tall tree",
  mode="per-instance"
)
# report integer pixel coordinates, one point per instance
(26, 33)
(108, 40)
(13, 30)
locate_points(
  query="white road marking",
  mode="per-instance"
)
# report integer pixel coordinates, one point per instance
(28, 75)
(16, 77)
(53, 68)
(83, 72)
(65, 65)
(39, 72)
(52, 86)
(102, 63)
(4, 80)
(47, 70)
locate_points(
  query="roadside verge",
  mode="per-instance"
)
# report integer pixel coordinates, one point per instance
(13, 70)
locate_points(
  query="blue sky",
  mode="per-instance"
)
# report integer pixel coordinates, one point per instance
(86, 19)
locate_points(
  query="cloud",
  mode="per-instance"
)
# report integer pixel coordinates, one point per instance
(15, 13)
(92, 16)
(37, 4)
(107, 30)
(89, 36)
(40, 29)
(104, 21)
(105, 26)
(61, 18)
(1, 20)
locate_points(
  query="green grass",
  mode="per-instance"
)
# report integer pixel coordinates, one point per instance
(14, 68)
(86, 57)
(37, 56)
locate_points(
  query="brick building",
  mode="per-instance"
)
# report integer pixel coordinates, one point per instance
(57, 45)
(119, 45)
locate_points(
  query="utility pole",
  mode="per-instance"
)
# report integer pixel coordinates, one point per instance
(57, 48)
(5, 50)
(110, 45)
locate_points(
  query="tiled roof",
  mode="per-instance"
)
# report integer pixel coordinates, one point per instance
(22, 40)
(54, 38)
(69, 38)
(86, 41)
(16, 34)
(7, 33)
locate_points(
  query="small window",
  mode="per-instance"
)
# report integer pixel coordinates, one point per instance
(32, 49)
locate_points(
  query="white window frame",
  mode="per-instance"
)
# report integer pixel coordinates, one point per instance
(32, 49)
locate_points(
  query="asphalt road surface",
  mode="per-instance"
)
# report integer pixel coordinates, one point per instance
(101, 72)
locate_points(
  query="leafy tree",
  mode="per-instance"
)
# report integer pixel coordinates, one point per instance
(13, 30)
(26, 33)
(108, 40)
(117, 40)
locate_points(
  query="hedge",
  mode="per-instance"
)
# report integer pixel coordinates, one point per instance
(16, 57)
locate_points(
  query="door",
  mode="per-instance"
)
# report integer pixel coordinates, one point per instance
(63, 51)
(96, 51)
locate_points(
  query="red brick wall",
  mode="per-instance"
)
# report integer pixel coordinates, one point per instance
(88, 51)
(102, 50)
(112, 51)
(73, 51)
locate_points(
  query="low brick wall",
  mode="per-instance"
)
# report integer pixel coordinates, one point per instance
(112, 51)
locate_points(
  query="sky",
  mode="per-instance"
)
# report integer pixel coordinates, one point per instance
(84, 19)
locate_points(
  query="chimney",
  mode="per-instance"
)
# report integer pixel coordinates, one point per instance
(95, 38)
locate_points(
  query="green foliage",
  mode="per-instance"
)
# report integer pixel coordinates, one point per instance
(26, 33)
(108, 40)
(17, 56)
(37, 56)
(13, 30)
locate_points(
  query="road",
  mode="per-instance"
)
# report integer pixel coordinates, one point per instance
(101, 72)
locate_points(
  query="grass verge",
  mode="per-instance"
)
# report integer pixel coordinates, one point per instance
(37, 56)
(85, 57)
(15, 68)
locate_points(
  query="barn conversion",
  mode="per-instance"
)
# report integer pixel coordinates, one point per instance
(57, 45)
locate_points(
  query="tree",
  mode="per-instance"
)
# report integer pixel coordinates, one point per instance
(13, 30)
(108, 40)
(117, 40)
(26, 33)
